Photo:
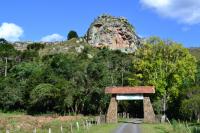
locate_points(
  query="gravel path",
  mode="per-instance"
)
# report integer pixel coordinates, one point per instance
(129, 127)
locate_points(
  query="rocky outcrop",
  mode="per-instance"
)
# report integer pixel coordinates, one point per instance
(113, 32)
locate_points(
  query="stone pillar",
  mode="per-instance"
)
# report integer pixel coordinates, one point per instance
(149, 115)
(111, 116)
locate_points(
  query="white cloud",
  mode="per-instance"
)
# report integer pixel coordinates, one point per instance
(52, 38)
(10, 31)
(185, 11)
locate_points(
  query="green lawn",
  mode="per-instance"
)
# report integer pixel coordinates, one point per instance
(104, 128)
(167, 128)
(156, 128)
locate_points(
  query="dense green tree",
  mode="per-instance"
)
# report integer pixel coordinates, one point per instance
(197, 82)
(3, 41)
(169, 67)
(190, 107)
(44, 98)
(35, 46)
(74, 82)
(72, 34)
(11, 95)
(8, 57)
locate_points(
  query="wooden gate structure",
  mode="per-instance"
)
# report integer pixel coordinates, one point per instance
(130, 93)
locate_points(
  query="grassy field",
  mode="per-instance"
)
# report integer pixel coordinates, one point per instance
(104, 128)
(21, 123)
(174, 128)
(156, 128)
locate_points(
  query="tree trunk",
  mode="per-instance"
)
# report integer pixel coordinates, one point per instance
(6, 67)
(163, 119)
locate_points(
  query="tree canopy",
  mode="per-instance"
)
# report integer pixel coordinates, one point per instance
(72, 34)
(74, 81)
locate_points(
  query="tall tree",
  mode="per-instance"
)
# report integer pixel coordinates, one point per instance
(190, 106)
(166, 65)
(72, 34)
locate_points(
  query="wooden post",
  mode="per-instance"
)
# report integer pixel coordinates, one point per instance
(87, 124)
(7, 131)
(49, 130)
(71, 128)
(77, 125)
(61, 129)
(34, 131)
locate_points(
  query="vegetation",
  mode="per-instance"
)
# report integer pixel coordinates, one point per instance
(21, 123)
(70, 77)
(104, 128)
(72, 34)
(195, 52)
(176, 127)
(167, 66)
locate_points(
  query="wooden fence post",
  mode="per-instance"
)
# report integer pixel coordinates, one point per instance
(34, 131)
(71, 128)
(49, 130)
(61, 129)
(77, 125)
(86, 123)
(7, 131)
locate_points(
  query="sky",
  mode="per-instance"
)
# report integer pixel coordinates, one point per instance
(51, 20)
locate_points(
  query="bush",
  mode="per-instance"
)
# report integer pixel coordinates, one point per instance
(35, 46)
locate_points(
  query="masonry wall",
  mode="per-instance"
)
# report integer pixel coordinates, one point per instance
(111, 116)
(149, 115)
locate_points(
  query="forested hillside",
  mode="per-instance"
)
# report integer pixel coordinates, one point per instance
(70, 77)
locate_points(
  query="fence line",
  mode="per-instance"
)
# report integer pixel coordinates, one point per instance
(71, 127)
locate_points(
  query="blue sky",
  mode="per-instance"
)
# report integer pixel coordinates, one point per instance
(37, 20)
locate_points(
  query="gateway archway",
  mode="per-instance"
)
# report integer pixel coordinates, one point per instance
(130, 93)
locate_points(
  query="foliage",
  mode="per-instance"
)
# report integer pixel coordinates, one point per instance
(35, 46)
(72, 34)
(166, 65)
(43, 79)
(190, 106)
(195, 52)
(44, 97)
(197, 82)
(3, 41)
(169, 67)
(10, 96)
(7, 50)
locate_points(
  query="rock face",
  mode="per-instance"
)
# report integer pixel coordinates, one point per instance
(113, 32)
